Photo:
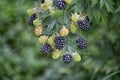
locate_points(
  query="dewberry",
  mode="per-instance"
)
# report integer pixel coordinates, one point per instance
(46, 48)
(67, 58)
(31, 19)
(61, 4)
(59, 42)
(81, 43)
(42, 1)
(84, 24)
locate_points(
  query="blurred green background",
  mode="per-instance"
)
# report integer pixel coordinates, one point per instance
(20, 57)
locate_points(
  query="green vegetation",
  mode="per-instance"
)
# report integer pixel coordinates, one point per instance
(21, 59)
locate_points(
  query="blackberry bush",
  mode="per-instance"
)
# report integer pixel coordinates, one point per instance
(59, 42)
(56, 28)
(81, 43)
(67, 58)
(61, 4)
(46, 48)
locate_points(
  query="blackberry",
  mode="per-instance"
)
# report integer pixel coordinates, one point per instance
(67, 58)
(61, 4)
(84, 24)
(42, 1)
(81, 43)
(46, 48)
(31, 19)
(59, 42)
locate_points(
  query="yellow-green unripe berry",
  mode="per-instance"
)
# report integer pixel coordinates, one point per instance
(68, 1)
(75, 17)
(50, 40)
(46, 5)
(37, 22)
(31, 11)
(56, 54)
(76, 57)
(73, 28)
(43, 39)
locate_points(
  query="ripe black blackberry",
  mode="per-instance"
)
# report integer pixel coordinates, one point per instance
(31, 19)
(59, 42)
(81, 43)
(61, 4)
(42, 1)
(46, 48)
(67, 58)
(84, 24)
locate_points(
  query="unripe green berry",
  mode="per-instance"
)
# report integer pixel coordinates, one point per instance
(51, 40)
(31, 11)
(68, 1)
(73, 28)
(56, 54)
(43, 39)
(76, 57)
(37, 22)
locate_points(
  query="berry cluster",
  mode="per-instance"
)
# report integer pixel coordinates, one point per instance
(61, 4)
(56, 41)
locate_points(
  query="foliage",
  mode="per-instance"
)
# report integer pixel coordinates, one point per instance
(20, 57)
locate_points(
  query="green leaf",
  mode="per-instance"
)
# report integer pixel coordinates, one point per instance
(51, 26)
(57, 14)
(57, 27)
(91, 13)
(66, 18)
(102, 3)
(118, 9)
(70, 7)
(94, 2)
(107, 77)
(108, 4)
(47, 20)
(79, 8)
